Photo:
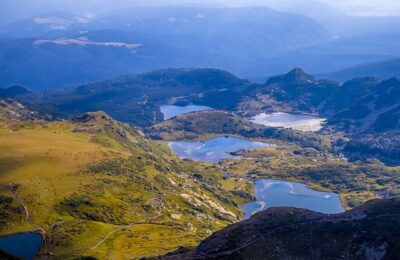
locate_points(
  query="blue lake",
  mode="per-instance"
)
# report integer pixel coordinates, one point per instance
(25, 245)
(215, 149)
(273, 193)
(173, 111)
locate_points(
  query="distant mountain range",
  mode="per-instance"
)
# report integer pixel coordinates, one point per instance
(380, 70)
(57, 49)
(52, 50)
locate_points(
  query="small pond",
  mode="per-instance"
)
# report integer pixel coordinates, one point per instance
(24, 245)
(273, 193)
(298, 122)
(173, 111)
(215, 149)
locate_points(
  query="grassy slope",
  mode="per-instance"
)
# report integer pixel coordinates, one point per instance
(85, 181)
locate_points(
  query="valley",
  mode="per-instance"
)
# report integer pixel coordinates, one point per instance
(91, 183)
(97, 187)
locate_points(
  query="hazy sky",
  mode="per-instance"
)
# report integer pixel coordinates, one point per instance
(368, 7)
(17, 9)
(354, 7)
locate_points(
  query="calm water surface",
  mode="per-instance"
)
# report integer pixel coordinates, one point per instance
(215, 149)
(298, 122)
(273, 193)
(173, 111)
(24, 246)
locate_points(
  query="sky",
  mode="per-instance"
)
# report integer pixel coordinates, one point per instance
(17, 9)
(351, 7)
(368, 7)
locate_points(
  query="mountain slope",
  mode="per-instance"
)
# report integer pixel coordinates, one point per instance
(198, 124)
(12, 110)
(88, 184)
(367, 232)
(358, 105)
(144, 39)
(381, 70)
(295, 91)
(137, 99)
(375, 111)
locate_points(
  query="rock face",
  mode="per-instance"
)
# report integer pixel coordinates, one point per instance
(368, 232)
(13, 110)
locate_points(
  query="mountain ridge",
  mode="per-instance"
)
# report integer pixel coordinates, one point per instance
(282, 233)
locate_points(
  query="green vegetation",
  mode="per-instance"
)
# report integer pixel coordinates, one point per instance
(362, 106)
(99, 188)
(301, 157)
(291, 160)
(384, 147)
(355, 182)
(95, 186)
(137, 99)
(205, 123)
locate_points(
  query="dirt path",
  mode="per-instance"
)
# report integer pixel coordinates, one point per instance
(109, 234)
(24, 208)
(158, 214)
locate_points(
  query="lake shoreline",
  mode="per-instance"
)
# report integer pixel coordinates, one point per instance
(39, 250)
(296, 189)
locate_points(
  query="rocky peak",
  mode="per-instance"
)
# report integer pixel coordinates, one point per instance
(296, 76)
(13, 110)
(92, 117)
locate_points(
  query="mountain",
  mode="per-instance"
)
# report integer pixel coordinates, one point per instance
(197, 124)
(299, 89)
(375, 111)
(137, 99)
(336, 54)
(87, 185)
(366, 109)
(294, 91)
(367, 232)
(144, 39)
(384, 146)
(361, 106)
(44, 66)
(12, 110)
(80, 48)
(14, 91)
(358, 105)
(381, 70)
